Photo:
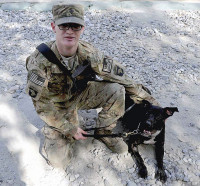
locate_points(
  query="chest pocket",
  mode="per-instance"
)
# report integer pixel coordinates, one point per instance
(58, 82)
(35, 85)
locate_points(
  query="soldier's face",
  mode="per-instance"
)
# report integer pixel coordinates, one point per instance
(67, 38)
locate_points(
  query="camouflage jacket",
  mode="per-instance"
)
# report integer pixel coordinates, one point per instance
(50, 89)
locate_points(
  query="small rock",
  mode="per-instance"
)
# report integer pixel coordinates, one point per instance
(106, 182)
(131, 171)
(90, 165)
(195, 183)
(131, 183)
(15, 95)
(185, 179)
(20, 96)
(77, 176)
(72, 178)
(185, 151)
(185, 160)
(197, 55)
(11, 182)
(179, 176)
(191, 125)
(13, 89)
(198, 162)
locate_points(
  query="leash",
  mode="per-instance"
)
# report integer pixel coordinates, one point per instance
(114, 135)
(118, 135)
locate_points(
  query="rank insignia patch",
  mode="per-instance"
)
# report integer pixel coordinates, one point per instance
(38, 80)
(118, 71)
(107, 64)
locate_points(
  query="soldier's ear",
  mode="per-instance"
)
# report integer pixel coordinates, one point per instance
(53, 26)
(82, 29)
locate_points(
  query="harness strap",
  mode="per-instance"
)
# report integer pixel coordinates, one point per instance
(97, 136)
(50, 55)
(80, 69)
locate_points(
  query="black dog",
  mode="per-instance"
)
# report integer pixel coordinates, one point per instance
(147, 124)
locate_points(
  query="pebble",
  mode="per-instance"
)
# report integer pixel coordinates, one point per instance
(198, 162)
(11, 182)
(185, 159)
(185, 179)
(13, 89)
(132, 170)
(106, 182)
(77, 176)
(72, 178)
(90, 165)
(131, 183)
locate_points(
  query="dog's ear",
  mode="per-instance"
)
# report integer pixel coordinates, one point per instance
(146, 104)
(169, 111)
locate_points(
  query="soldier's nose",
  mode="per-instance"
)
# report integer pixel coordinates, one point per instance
(69, 30)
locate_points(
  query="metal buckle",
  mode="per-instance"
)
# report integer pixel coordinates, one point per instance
(135, 132)
(125, 134)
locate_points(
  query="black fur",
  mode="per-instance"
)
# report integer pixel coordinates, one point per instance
(151, 122)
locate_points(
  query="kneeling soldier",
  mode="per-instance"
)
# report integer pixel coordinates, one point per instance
(62, 78)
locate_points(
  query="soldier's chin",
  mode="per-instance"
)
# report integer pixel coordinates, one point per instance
(69, 43)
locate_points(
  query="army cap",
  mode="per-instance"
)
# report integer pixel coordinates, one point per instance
(71, 13)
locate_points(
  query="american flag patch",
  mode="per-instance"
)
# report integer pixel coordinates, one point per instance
(37, 79)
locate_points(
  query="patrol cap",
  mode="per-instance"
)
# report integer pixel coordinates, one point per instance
(71, 13)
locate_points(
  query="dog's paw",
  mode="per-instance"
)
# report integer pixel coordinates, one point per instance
(161, 175)
(143, 172)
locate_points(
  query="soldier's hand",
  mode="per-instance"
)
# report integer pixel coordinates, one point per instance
(78, 135)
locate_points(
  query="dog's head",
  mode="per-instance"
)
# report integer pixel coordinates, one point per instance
(154, 118)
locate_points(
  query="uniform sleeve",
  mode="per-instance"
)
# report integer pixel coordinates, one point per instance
(36, 79)
(113, 71)
(43, 99)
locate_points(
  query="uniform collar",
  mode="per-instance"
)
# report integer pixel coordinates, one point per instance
(55, 50)
(73, 62)
(69, 62)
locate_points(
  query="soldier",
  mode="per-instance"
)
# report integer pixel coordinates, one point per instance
(61, 80)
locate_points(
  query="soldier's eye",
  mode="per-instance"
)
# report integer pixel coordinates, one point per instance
(73, 26)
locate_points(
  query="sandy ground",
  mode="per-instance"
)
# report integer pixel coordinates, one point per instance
(93, 164)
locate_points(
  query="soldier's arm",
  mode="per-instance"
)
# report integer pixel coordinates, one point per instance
(37, 89)
(113, 71)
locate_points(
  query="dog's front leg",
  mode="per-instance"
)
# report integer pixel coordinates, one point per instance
(133, 150)
(159, 150)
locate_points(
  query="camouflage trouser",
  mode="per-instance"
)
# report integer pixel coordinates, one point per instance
(57, 149)
(108, 96)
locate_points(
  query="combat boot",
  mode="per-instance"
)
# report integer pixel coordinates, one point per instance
(116, 145)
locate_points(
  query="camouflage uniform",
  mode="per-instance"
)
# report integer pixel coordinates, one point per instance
(57, 104)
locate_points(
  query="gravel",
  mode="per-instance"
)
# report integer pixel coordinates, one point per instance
(162, 52)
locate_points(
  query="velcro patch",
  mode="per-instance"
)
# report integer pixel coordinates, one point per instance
(118, 71)
(32, 92)
(38, 80)
(107, 64)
